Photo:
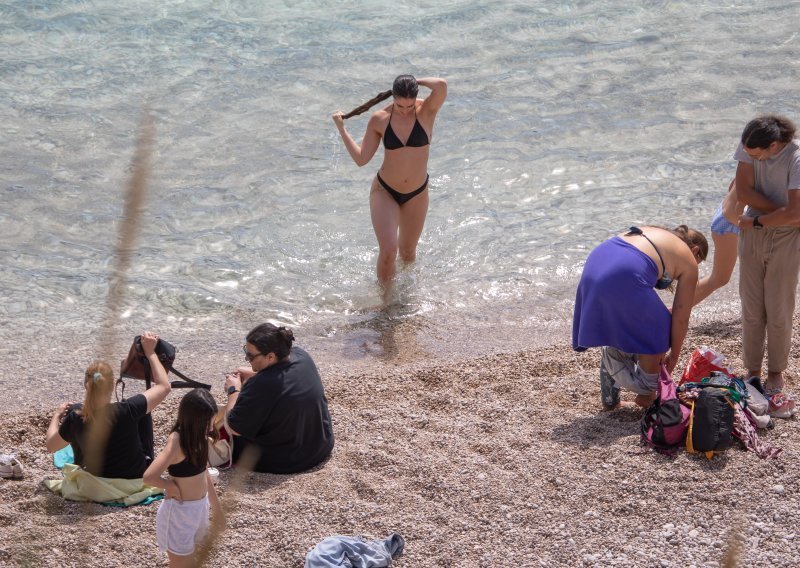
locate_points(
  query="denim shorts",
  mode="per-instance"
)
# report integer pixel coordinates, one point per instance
(625, 372)
(721, 226)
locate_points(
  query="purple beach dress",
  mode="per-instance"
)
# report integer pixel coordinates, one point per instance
(616, 304)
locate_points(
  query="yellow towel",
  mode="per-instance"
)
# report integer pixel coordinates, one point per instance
(80, 485)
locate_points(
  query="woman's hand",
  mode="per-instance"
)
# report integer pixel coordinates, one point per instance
(671, 360)
(338, 118)
(61, 411)
(233, 380)
(245, 373)
(745, 223)
(149, 342)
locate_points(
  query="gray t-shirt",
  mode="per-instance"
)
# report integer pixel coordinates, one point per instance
(776, 176)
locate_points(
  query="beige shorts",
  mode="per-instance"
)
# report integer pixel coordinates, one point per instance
(181, 525)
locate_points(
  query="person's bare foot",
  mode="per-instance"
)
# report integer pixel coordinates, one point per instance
(644, 400)
(621, 404)
(774, 382)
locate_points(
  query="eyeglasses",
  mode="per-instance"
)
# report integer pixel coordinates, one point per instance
(249, 356)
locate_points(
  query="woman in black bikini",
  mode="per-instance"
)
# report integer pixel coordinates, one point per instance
(398, 200)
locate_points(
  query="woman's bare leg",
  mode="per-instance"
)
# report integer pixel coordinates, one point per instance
(649, 364)
(412, 221)
(179, 561)
(385, 213)
(725, 252)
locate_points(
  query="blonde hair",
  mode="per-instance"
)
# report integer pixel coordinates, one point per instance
(99, 383)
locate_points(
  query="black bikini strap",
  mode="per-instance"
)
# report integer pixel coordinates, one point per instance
(638, 231)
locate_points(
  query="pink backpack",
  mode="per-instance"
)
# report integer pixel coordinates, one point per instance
(666, 421)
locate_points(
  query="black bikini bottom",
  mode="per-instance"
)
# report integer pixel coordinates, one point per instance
(402, 197)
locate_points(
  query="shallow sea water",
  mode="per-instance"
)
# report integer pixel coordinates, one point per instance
(565, 123)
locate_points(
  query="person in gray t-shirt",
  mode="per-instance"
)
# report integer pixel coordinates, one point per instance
(767, 181)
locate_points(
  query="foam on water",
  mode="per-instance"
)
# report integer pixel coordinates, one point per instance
(564, 124)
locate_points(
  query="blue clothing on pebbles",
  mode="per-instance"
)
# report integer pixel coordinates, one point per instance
(616, 304)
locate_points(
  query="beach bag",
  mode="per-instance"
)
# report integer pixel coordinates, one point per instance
(666, 420)
(711, 422)
(220, 446)
(136, 365)
(701, 364)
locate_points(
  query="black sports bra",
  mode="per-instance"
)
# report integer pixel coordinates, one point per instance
(184, 468)
(416, 139)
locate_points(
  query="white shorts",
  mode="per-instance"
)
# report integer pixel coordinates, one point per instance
(180, 526)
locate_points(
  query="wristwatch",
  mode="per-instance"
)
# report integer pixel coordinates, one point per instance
(756, 223)
(231, 389)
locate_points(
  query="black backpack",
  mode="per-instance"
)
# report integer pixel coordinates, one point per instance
(711, 422)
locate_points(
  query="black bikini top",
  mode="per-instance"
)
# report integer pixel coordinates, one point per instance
(416, 139)
(184, 468)
(666, 280)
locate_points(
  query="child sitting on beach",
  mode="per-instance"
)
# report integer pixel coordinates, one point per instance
(182, 518)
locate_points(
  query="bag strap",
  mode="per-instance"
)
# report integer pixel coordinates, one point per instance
(186, 383)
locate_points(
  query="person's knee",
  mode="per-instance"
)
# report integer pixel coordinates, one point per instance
(387, 254)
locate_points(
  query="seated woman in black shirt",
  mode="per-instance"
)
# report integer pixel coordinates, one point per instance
(111, 439)
(277, 412)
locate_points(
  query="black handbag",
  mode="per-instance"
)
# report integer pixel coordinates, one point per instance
(136, 365)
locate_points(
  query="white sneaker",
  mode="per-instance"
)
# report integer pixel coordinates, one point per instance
(10, 467)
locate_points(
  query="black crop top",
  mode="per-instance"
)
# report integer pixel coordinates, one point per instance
(184, 468)
(416, 139)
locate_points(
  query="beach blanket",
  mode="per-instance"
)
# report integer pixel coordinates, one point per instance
(354, 552)
(80, 485)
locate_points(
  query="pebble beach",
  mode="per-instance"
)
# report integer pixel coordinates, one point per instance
(500, 460)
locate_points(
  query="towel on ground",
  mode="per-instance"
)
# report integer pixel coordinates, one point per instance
(80, 485)
(354, 552)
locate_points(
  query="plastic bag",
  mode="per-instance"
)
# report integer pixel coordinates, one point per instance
(702, 362)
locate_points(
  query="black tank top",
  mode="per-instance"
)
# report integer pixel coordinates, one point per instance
(184, 468)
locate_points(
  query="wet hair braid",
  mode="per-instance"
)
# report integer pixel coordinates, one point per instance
(369, 104)
(404, 87)
(766, 129)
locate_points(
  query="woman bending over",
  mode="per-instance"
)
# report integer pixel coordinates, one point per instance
(618, 309)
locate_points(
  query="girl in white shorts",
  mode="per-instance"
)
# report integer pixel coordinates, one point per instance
(182, 518)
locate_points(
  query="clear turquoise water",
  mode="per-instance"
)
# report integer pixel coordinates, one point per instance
(564, 124)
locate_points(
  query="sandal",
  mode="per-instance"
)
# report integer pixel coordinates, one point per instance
(10, 467)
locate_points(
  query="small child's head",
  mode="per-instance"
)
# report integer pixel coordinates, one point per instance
(195, 413)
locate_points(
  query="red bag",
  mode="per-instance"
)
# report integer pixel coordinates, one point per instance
(701, 365)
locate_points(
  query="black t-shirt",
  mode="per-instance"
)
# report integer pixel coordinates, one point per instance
(283, 410)
(124, 456)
